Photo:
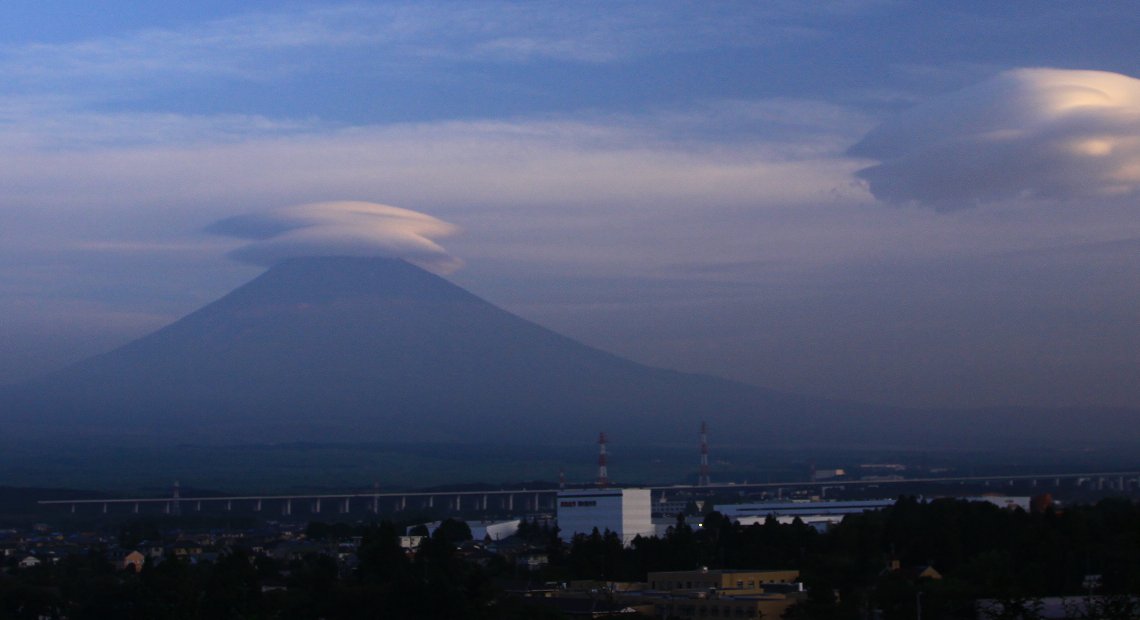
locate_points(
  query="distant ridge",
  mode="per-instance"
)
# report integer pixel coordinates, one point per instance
(352, 349)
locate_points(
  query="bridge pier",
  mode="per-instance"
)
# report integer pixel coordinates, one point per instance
(536, 500)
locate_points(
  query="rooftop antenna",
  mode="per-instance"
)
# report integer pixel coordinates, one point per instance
(603, 475)
(703, 476)
(561, 478)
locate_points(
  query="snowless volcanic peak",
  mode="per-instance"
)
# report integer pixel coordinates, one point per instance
(330, 349)
(362, 348)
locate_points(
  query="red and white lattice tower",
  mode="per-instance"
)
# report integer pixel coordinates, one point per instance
(603, 475)
(703, 477)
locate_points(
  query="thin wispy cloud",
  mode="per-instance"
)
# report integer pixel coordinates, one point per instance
(652, 159)
(263, 46)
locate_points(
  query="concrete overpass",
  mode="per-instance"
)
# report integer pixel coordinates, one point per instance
(535, 500)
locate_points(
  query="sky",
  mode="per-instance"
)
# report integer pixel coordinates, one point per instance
(922, 204)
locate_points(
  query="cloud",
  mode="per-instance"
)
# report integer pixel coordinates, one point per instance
(403, 37)
(126, 166)
(1043, 134)
(345, 228)
(117, 192)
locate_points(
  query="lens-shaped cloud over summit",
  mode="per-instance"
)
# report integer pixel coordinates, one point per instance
(1046, 134)
(343, 228)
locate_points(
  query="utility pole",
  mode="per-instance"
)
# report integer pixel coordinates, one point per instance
(603, 474)
(703, 478)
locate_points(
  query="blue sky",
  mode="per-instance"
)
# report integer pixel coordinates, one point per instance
(867, 200)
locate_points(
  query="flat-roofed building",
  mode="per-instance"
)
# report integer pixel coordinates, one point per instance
(726, 581)
(699, 594)
(819, 514)
(625, 512)
(690, 595)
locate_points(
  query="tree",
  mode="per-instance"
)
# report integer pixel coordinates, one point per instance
(1012, 608)
(820, 604)
(1104, 607)
(452, 531)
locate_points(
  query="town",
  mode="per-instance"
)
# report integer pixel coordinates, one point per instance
(974, 550)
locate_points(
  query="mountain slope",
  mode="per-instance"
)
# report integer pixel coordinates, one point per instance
(347, 348)
(335, 349)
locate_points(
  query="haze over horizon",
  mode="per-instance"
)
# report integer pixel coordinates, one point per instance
(913, 205)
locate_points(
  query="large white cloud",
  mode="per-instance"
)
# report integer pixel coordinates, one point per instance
(344, 228)
(1028, 133)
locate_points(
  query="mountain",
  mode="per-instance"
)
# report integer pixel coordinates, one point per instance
(372, 349)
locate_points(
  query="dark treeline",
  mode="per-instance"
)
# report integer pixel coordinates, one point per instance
(874, 560)
(386, 583)
(981, 551)
(869, 561)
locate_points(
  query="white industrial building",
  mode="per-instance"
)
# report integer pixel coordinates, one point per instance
(818, 514)
(481, 530)
(625, 512)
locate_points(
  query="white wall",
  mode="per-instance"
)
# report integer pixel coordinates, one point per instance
(625, 512)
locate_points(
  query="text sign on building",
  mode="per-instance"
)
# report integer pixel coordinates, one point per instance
(572, 504)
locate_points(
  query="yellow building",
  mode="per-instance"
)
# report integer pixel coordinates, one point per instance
(704, 594)
(691, 595)
(725, 581)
